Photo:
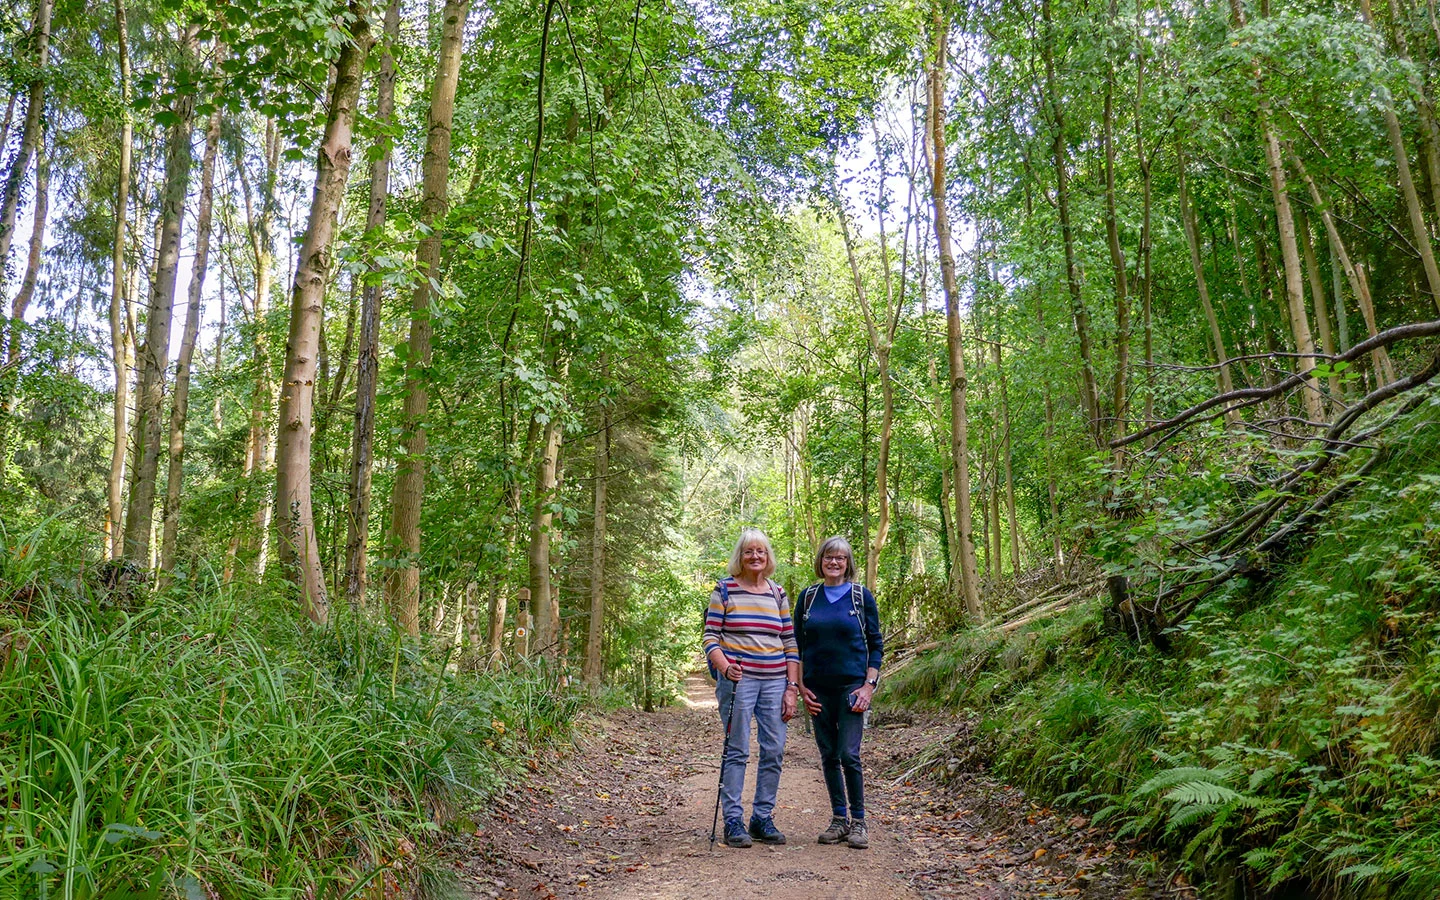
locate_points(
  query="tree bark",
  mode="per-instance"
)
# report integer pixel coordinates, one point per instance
(1197, 264)
(1317, 295)
(298, 548)
(1359, 286)
(1425, 108)
(402, 584)
(153, 356)
(1120, 394)
(1418, 231)
(1289, 248)
(594, 663)
(367, 355)
(30, 132)
(10, 361)
(541, 521)
(959, 424)
(119, 333)
(180, 404)
(880, 346)
(1089, 390)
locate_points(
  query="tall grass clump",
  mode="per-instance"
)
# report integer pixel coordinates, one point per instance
(202, 742)
(1291, 742)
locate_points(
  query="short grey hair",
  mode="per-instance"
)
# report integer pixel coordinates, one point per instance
(750, 536)
(835, 543)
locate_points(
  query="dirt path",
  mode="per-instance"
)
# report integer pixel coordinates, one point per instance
(627, 815)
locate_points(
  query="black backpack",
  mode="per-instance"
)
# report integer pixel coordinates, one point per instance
(857, 605)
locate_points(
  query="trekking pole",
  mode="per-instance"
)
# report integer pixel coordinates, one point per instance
(720, 789)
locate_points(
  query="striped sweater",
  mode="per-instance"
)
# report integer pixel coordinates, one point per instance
(753, 629)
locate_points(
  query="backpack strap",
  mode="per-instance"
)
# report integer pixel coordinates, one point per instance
(807, 597)
(857, 603)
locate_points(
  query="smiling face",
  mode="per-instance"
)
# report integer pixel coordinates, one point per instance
(834, 565)
(755, 560)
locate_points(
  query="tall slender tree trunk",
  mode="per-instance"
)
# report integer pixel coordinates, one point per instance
(1289, 246)
(1418, 231)
(1013, 527)
(541, 526)
(594, 662)
(498, 599)
(260, 454)
(367, 355)
(880, 346)
(1197, 265)
(10, 360)
(959, 423)
(1120, 393)
(1089, 391)
(1359, 285)
(180, 404)
(1147, 281)
(299, 549)
(119, 333)
(1317, 294)
(30, 132)
(402, 583)
(154, 354)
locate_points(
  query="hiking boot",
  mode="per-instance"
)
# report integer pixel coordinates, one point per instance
(839, 829)
(764, 830)
(735, 835)
(858, 838)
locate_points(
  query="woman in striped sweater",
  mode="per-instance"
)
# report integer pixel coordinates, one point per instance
(750, 643)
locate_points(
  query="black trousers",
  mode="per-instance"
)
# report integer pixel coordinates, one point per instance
(838, 731)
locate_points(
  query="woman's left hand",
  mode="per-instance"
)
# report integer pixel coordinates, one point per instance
(860, 697)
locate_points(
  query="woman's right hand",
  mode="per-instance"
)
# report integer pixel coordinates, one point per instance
(734, 671)
(812, 702)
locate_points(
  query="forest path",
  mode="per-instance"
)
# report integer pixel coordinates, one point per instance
(627, 815)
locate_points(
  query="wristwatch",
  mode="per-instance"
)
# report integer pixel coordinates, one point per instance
(873, 682)
(794, 684)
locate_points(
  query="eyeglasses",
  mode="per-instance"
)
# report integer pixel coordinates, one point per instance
(755, 551)
(843, 559)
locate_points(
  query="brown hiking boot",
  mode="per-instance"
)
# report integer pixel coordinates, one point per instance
(838, 830)
(858, 838)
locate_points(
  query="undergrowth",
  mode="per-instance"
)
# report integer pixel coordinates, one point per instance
(203, 743)
(1292, 740)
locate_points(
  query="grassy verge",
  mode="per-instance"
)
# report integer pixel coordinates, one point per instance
(1291, 743)
(204, 743)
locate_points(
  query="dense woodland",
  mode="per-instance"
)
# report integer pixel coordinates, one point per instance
(470, 334)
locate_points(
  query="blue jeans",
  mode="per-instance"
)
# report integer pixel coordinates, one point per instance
(838, 731)
(760, 698)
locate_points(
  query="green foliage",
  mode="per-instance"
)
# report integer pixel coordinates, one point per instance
(203, 742)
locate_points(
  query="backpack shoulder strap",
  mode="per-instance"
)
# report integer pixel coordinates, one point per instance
(857, 603)
(807, 598)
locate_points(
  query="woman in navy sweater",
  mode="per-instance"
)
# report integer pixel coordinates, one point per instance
(837, 627)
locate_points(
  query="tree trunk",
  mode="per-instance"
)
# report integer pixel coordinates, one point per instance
(10, 361)
(154, 355)
(1289, 247)
(298, 547)
(1359, 286)
(1120, 394)
(1147, 281)
(261, 451)
(1317, 294)
(1429, 132)
(1418, 231)
(29, 133)
(1089, 391)
(541, 520)
(594, 664)
(367, 355)
(1197, 264)
(402, 584)
(880, 346)
(180, 404)
(1012, 524)
(119, 334)
(959, 424)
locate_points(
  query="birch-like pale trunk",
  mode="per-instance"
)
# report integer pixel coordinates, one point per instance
(119, 333)
(299, 551)
(153, 356)
(1197, 265)
(1317, 294)
(959, 424)
(30, 133)
(367, 354)
(180, 401)
(402, 582)
(10, 359)
(594, 671)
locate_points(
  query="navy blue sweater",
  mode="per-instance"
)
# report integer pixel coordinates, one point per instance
(832, 649)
